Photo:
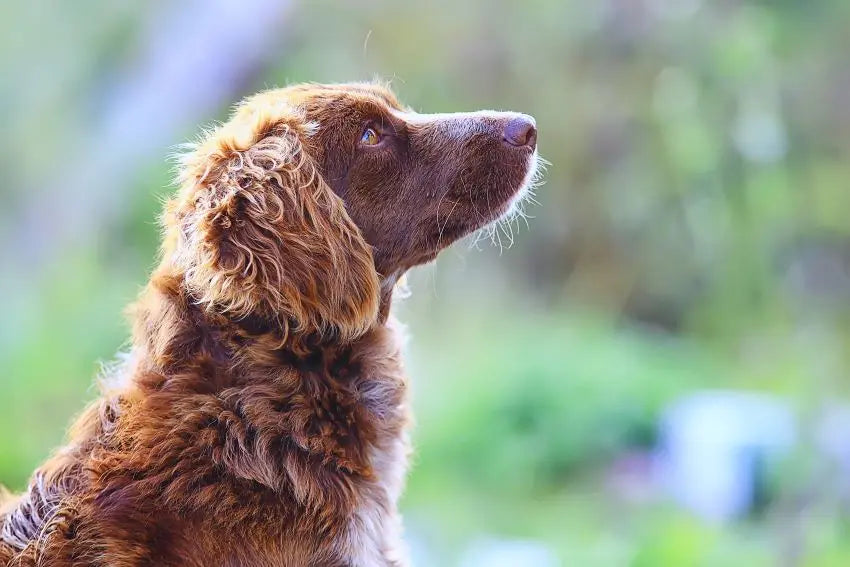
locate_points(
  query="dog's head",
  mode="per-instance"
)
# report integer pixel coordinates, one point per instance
(311, 198)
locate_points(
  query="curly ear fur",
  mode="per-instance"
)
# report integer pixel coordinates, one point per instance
(257, 231)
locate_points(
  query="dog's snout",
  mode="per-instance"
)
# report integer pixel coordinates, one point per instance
(521, 131)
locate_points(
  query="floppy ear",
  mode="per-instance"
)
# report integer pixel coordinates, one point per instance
(259, 232)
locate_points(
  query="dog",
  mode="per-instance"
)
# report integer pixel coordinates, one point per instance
(261, 414)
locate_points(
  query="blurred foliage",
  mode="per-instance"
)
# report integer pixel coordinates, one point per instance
(692, 234)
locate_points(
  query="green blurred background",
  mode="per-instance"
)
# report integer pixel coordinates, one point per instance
(691, 242)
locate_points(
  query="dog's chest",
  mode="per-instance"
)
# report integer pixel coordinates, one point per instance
(360, 532)
(344, 470)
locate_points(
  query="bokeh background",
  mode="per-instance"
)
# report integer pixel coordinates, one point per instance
(653, 374)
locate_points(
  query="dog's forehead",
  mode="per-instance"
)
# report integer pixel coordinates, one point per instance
(353, 94)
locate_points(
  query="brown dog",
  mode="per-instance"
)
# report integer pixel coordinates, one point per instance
(260, 417)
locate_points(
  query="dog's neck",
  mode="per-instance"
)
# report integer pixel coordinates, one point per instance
(166, 317)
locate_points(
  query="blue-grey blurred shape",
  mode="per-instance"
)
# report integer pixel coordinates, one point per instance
(713, 445)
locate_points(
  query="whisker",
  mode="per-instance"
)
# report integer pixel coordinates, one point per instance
(445, 224)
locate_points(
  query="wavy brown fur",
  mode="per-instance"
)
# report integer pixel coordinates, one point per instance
(261, 416)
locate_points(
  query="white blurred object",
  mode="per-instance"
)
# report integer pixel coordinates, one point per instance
(421, 553)
(759, 133)
(491, 552)
(712, 445)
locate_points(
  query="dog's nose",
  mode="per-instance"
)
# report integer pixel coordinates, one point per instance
(521, 131)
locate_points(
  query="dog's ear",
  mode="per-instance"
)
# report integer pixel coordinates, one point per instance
(257, 231)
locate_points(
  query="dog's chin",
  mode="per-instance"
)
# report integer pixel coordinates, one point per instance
(486, 212)
(477, 216)
(512, 204)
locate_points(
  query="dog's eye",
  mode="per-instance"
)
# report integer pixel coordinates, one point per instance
(369, 137)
